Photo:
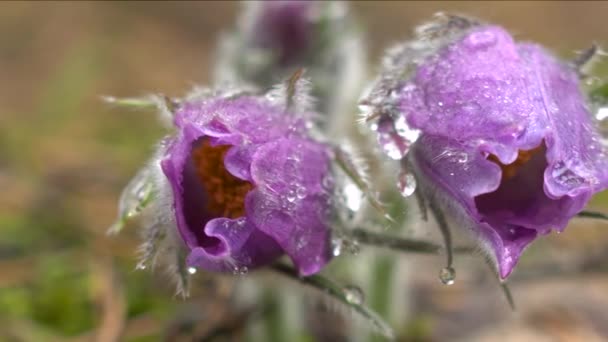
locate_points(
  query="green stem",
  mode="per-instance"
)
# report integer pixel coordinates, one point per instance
(402, 244)
(336, 292)
(593, 214)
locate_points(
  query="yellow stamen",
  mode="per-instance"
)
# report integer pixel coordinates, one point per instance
(225, 192)
(510, 170)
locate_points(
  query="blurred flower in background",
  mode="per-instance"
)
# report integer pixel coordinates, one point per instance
(275, 38)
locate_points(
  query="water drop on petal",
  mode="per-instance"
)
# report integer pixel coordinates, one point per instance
(191, 270)
(300, 192)
(291, 196)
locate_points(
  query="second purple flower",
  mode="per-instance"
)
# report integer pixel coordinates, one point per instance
(499, 132)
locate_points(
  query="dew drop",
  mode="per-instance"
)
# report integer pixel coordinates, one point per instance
(353, 294)
(353, 197)
(405, 131)
(328, 183)
(563, 175)
(391, 146)
(300, 192)
(240, 270)
(191, 270)
(447, 275)
(337, 247)
(291, 196)
(601, 114)
(481, 39)
(406, 183)
(463, 158)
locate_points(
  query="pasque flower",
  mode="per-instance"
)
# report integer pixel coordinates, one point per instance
(499, 133)
(239, 184)
(275, 38)
(247, 184)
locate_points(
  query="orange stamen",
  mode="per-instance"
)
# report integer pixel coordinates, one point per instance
(510, 170)
(226, 193)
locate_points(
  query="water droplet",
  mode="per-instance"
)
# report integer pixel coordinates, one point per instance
(337, 247)
(406, 183)
(291, 196)
(191, 270)
(463, 157)
(447, 275)
(601, 114)
(405, 131)
(300, 192)
(328, 182)
(393, 148)
(566, 177)
(353, 197)
(240, 270)
(481, 39)
(353, 294)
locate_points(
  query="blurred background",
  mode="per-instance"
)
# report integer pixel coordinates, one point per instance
(65, 156)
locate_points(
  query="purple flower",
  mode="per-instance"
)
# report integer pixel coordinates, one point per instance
(273, 39)
(507, 144)
(286, 28)
(247, 185)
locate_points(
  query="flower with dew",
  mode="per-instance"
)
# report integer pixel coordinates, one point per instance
(275, 38)
(239, 184)
(499, 133)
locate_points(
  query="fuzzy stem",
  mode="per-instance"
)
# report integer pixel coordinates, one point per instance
(445, 231)
(402, 244)
(336, 292)
(503, 285)
(593, 214)
(342, 160)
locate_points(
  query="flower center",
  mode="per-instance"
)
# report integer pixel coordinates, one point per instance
(225, 192)
(510, 170)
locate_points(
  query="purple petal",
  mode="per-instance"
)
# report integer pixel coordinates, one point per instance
(578, 165)
(237, 244)
(290, 203)
(238, 161)
(245, 119)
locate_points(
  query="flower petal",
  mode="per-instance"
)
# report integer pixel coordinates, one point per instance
(458, 176)
(578, 165)
(233, 121)
(237, 244)
(477, 89)
(290, 204)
